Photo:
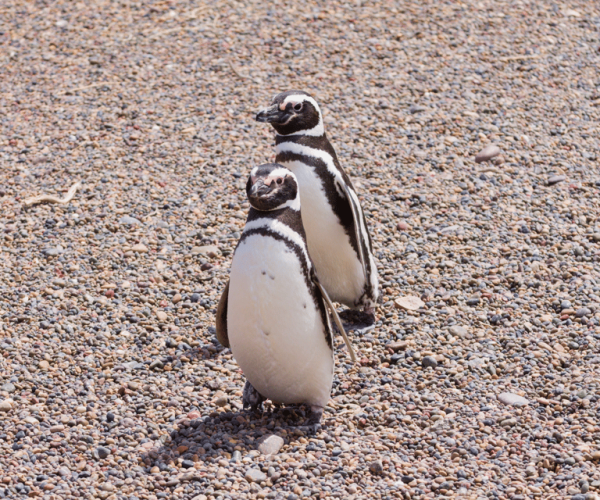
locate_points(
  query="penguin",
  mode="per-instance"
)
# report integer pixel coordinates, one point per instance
(338, 238)
(274, 313)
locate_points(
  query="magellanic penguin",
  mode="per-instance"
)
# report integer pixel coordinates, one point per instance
(274, 312)
(336, 230)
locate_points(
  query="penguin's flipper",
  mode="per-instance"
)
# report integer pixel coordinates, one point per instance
(336, 318)
(356, 212)
(221, 325)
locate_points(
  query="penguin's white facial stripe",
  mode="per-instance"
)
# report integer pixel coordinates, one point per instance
(281, 229)
(299, 98)
(317, 130)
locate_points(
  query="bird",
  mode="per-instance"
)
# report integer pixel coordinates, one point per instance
(274, 313)
(338, 238)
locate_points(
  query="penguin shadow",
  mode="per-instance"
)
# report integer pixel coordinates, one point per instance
(231, 436)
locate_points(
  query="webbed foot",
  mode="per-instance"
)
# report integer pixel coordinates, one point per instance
(358, 320)
(313, 424)
(252, 398)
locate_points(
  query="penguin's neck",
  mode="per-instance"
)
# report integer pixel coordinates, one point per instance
(288, 216)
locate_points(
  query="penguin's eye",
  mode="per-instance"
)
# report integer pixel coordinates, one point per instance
(279, 181)
(298, 107)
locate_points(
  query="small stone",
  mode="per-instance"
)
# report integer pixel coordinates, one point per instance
(409, 303)
(583, 312)
(429, 362)
(156, 364)
(407, 479)
(255, 476)
(458, 331)
(398, 346)
(31, 420)
(128, 221)
(53, 251)
(473, 301)
(44, 365)
(195, 298)
(236, 456)
(376, 467)
(555, 179)
(176, 298)
(531, 471)
(416, 108)
(221, 401)
(403, 226)
(508, 398)
(271, 445)
(110, 417)
(187, 464)
(161, 315)
(8, 387)
(102, 452)
(139, 248)
(487, 153)
(211, 251)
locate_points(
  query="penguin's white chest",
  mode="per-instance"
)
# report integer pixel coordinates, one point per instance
(336, 262)
(275, 329)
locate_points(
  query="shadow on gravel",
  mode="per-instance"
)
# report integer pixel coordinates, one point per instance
(227, 436)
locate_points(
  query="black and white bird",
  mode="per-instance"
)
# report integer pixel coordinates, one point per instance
(336, 230)
(274, 312)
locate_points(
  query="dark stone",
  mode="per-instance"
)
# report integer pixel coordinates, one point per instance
(102, 452)
(429, 362)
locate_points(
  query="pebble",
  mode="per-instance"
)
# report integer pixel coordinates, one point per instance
(271, 445)
(102, 452)
(129, 221)
(211, 251)
(139, 248)
(409, 303)
(376, 467)
(6, 405)
(255, 476)
(487, 153)
(555, 179)
(458, 331)
(429, 362)
(583, 312)
(8, 387)
(508, 398)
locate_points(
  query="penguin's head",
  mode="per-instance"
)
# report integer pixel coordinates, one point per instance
(272, 187)
(293, 112)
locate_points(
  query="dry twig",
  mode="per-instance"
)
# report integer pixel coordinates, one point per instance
(41, 198)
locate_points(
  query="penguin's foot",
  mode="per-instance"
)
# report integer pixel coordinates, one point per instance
(252, 398)
(313, 424)
(358, 320)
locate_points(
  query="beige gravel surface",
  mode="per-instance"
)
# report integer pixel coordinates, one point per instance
(471, 131)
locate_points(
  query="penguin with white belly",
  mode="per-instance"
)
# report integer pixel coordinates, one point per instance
(274, 314)
(336, 228)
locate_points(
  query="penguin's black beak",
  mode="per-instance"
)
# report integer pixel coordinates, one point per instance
(259, 188)
(272, 114)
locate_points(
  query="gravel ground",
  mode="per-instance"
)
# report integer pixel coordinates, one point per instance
(112, 384)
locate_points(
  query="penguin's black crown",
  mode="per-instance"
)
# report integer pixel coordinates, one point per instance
(271, 187)
(293, 112)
